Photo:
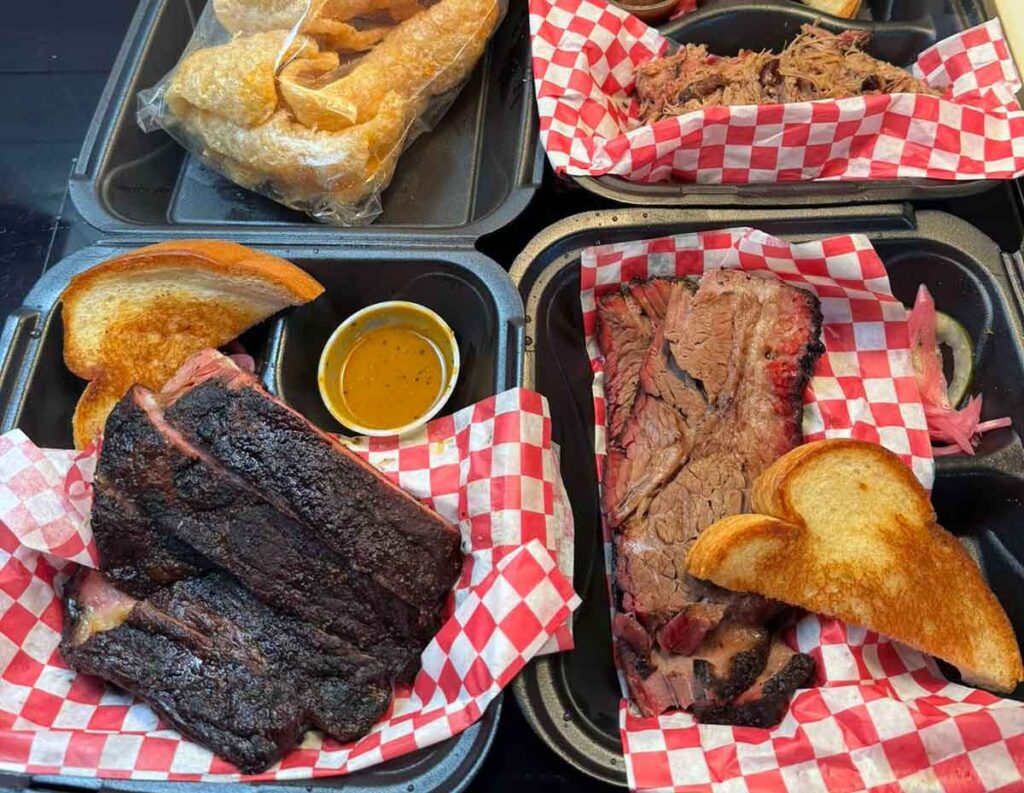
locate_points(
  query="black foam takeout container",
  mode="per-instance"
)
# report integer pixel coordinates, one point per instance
(470, 175)
(892, 11)
(900, 30)
(571, 699)
(470, 292)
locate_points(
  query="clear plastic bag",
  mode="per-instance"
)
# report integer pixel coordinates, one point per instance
(311, 102)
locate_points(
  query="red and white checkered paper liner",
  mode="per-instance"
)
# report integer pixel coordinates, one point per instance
(490, 468)
(881, 716)
(863, 386)
(585, 55)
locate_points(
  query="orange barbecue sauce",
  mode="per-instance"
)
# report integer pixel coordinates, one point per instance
(391, 376)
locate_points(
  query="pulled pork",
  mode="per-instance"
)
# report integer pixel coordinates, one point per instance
(816, 65)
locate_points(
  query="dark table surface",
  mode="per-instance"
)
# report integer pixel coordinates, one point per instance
(54, 59)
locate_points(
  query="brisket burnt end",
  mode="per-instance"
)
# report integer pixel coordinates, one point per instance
(765, 702)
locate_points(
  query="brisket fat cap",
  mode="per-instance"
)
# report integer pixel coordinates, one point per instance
(226, 670)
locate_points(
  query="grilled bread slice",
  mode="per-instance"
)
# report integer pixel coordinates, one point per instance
(846, 530)
(838, 8)
(136, 318)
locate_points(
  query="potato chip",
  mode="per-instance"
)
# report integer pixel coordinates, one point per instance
(236, 80)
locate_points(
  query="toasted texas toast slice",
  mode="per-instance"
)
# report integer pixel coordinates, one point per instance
(838, 8)
(136, 318)
(845, 529)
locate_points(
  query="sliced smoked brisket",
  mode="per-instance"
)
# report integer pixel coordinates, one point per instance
(715, 398)
(721, 395)
(626, 322)
(188, 496)
(764, 703)
(359, 514)
(263, 580)
(239, 677)
(229, 478)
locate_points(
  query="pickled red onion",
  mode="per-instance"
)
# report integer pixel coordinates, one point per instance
(961, 428)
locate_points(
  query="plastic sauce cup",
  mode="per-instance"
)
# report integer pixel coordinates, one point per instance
(397, 314)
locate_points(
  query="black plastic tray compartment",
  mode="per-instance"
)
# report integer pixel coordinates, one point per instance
(900, 30)
(572, 699)
(901, 10)
(38, 395)
(889, 11)
(472, 174)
